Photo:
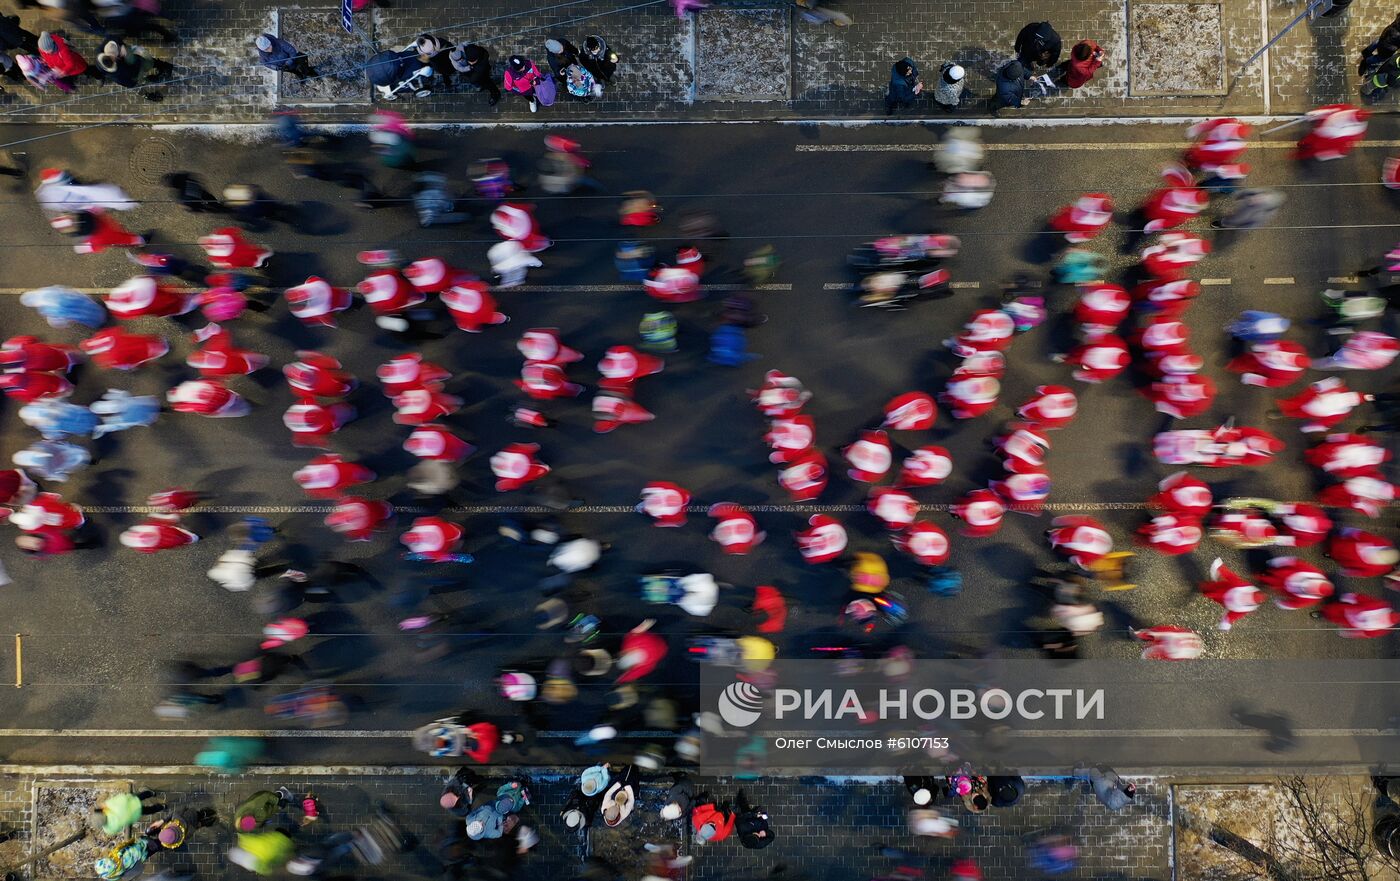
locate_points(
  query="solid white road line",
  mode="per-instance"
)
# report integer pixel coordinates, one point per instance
(1343, 279)
(1214, 281)
(1288, 280)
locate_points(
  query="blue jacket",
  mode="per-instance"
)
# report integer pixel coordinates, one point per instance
(1010, 89)
(281, 56)
(902, 87)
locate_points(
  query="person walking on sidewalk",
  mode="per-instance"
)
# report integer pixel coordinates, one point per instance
(132, 67)
(752, 824)
(65, 62)
(124, 810)
(1011, 86)
(948, 91)
(277, 54)
(1038, 45)
(473, 62)
(905, 85)
(1112, 791)
(598, 58)
(1084, 60)
(525, 79)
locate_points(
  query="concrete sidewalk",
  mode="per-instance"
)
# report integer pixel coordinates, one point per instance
(741, 59)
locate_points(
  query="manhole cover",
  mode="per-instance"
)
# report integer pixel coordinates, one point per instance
(151, 159)
(1175, 49)
(743, 55)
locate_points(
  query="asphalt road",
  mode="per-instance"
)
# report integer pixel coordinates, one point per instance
(96, 625)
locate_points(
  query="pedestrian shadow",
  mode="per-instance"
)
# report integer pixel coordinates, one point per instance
(320, 219)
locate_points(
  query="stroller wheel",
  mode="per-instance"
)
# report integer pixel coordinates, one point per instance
(422, 93)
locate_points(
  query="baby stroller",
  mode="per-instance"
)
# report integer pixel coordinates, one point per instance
(380, 839)
(394, 73)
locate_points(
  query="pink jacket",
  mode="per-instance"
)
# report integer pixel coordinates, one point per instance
(522, 84)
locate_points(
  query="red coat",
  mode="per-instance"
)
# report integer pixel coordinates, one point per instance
(1304, 525)
(515, 466)
(970, 398)
(1022, 447)
(106, 233)
(1347, 455)
(1166, 297)
(1099, 360)
(1235, 594)
(1218, 142)
(1102, 304)
(315, 301)
(805, 477)
(471, 306)
(1182, 397)
(28, 354)
(911, 411)
(1173, 254)
(823, 541)
(544, 381)
(1183, 495)
(622, 366)
(1085, 218)
(736, 531)
(318, 376)
(869, 456)
(895, 508)
(206, 397)
(388, 293)
(227, 248)
(115, 349)
(1080, 70)
(156, 535)
(542, 345)
(419, 406)
(987, 330)
(404, 372)
(219, 358)
(1271, 365)
(436, 442)
(1082, 540)
(433, 538)
(1171, 534)
(328, 476)
(981, 512)
(145, 296)
(312, 424)
(926, 466)
(357, 519)
(1337, 129)
(48, 512)
(29, 387)
(664, 503)
(790, 437)
(1361, 616)
(64, 61)
(1053, 406)
(1323, 404)
(1298, 585)
(924, 542)
(431, 275)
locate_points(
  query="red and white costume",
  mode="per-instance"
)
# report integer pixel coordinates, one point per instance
(981, 512)
(1363, 350)
(971, 397)
(315, 375)
(1247, 528)
(1298, 585)
(911, 411)
(989, 330)
(924, 542)
(471, 305)
(1173, 254)
(30, 387)
(1347, 455)
(1022, 447)
(980, 364)
(1053, 406)
(926, 466)
(515, 466)
(431, 275)
(328, 476)
(16, 490)
(48, 512)
(115, 349)
(1176, 202)
(219, 358)
(1100, 359)
(1166, 297)
(28, 355)
(1361, 616)
(895, 508)
(1183, 495)
(822, 541)
(433, 538)
(736, 531)
(1323, 404)
(145, 296)
(1162, 336)
(1170, 643)
(1271, 365)
(1337, 129)
(1182, 396)
(790, 437)
(516, 223)
(1082, 540)
(420, 406)
(544, 381)
(1083, 218)
(1217, 142)
(1101, 306)
(1171, 534)
(207, 397)
(679, 283)
(542, 345)
(357, 519)
(156, 534)
(404, 372)
(388, 293)
(781, 395)
(664, 503)
(870, 457)
(611, 411)
(1303, 525)
(622, 366)
(436, 442)
(1366, 493)
(1234, 593)
(106, 233)
(1158, 366)
(312, 424)
(805, 477)
(1023, 491)
(226, 248)
(1362, 554)
(315, 301)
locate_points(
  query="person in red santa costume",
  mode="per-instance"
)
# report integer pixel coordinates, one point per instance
(911, 411)
(1323, 404)
(981, 512)
(471, 305)
(805, 477)
(312, 423)
(1166, 297)
(1053, 406)
(328, 476)
(147, 297)
(1336, 130)
(870, 457)
(991, 364)
(970, 397)
(1023, 491)
(543, 346)
(434, 539)
(1162, 336)
(781, 395)
(16, 491)
(1218, 142)
(156, 534)
(98, 230)
(389, 294)
(1347, 455)
(410, 371)
(1367, 494)
(1176, 202)
(622, 366)
(1084, 218)
(1101, 308)
(28, 387)
(516, 223)
(528, 416)
(1159, 366)
(1081, 540)
(1363, 350)
(115, 349)
(1173, 254)
(679, 283)
(1183, 495)
(789, 438)
(169, 502)
(1171, 534)
(1182, 396)
(433, 275)
(1243, 528)
(27, 354)
(219, 358)
(895, 508)
(736, 532)
(1298, 585)
(924, 542)
(1021, 447)
(926, 466)
(226, 248)
(1303, 525)
(318, 376)
(1360, 616)
(823, 541)
(207, 397)
(1362, 554)
(1235, 594)
(358, 519)
(1271, 365)
(48, 512)
(315, 301)
(1170, 643)
(516, 466)
(612, 411)
(988, 330)
(664, 503)
(425, 404)
(544, 381)
(436, 442)
(1100, 359)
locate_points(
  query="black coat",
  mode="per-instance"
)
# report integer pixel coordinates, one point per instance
(602, 64)
(1038, 44)
(12, 36)
(479, 74)
(558, 62)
